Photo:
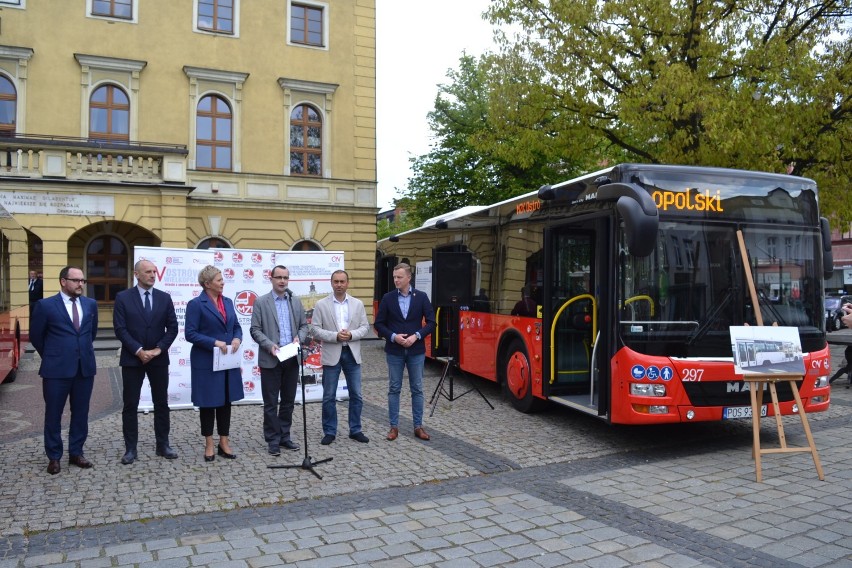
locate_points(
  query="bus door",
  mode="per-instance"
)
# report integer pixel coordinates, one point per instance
(570, 315)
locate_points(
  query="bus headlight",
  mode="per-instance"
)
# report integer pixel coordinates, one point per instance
(647, 389)
(650, 409)
(821, 382)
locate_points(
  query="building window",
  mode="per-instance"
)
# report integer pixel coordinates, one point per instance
(216, 16)
(113, 8)
(305, 141)
(213, 242)
(109, 114)
(306, 245)
(15, 3)
(106, 267)
(213, 134)
(306, 24)
(8, 107)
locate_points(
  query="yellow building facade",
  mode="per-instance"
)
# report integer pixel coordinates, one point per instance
(190, 123)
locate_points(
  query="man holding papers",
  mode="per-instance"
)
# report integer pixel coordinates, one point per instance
(278, 320)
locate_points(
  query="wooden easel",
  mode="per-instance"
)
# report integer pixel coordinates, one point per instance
(756, 384)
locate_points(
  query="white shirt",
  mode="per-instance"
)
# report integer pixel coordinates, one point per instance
(68, 305)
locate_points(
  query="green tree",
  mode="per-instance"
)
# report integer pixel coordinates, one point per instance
(757, 84)
(464, 167)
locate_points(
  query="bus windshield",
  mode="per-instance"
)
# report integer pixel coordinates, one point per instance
(681, 300)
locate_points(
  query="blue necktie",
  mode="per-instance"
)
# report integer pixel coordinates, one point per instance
(148, 302)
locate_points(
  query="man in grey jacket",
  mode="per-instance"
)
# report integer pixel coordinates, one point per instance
(276, 320)
(340, 321)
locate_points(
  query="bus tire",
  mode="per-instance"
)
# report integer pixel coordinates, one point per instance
(517, 377)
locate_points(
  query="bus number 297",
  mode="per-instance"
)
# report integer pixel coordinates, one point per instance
(692, 375)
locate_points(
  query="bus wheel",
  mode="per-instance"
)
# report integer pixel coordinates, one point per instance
(517, 378)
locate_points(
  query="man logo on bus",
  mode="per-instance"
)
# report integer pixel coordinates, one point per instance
(244, 302)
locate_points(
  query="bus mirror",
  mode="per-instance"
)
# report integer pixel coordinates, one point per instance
(640, 229)
(637, 208)
(827, 255)
(546, 193)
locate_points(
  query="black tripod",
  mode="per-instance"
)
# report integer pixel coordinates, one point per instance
(440, 391)
(306, 463)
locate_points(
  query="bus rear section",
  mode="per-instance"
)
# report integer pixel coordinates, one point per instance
(14, 296)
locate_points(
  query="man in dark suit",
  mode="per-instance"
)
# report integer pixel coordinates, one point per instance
(36, 289)
(145, 322)
(277, 319)
(63, 330)
(405, 320)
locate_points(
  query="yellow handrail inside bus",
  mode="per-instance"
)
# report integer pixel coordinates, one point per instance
(556, 319)
(641, 297)
(438, 327)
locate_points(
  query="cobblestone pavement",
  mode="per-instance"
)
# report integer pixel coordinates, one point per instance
(492, 488)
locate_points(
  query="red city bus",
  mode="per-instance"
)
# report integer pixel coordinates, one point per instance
(14, 299)
(613, 293)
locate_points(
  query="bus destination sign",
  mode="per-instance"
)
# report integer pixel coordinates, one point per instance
(689, 200)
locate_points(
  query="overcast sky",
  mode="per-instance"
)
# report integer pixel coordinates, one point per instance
(417, 43)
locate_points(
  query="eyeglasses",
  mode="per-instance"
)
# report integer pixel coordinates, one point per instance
(76, 280)
(281, 278)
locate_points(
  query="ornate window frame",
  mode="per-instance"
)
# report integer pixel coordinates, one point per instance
(13, 64)
(321, 97)
(96, 71)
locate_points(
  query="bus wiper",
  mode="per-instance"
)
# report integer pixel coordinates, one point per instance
(713, 316)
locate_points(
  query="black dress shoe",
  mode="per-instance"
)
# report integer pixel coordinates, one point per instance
(327, 439)
(53, 467)
(273, 450)
(129, 457)
(289, 444)
(80, 461)
(167, 452)
(359, 437)
(225, 454)
(209, 458)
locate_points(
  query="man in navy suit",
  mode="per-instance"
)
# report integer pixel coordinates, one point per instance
(405, 320)
(145, 322)
(63, 330)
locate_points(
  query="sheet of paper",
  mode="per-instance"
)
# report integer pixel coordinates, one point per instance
(229, 360)
(287, 351)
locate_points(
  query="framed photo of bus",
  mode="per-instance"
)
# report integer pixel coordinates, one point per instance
(767, 350)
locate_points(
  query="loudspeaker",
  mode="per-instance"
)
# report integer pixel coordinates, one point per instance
(452, 278)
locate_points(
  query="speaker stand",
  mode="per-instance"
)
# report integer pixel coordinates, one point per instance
(306, 464)
(440, 390)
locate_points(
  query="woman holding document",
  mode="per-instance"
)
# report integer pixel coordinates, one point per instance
(211, 324)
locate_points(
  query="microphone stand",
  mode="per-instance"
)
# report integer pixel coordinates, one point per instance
(306, 463)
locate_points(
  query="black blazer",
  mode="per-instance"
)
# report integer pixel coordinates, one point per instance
(136, 329)
(389, 321)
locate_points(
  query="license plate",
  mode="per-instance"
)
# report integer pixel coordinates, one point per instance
(731, 412)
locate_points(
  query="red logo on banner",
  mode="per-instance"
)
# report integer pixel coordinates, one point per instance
(228, 273)
(244, 302)
(248, 354)
(255, 371)
(248, 386)
(218, 256)
(195, 293)
(256, 257)
(267, 274)
(237, 256)
(248, 274)
(335, 258)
